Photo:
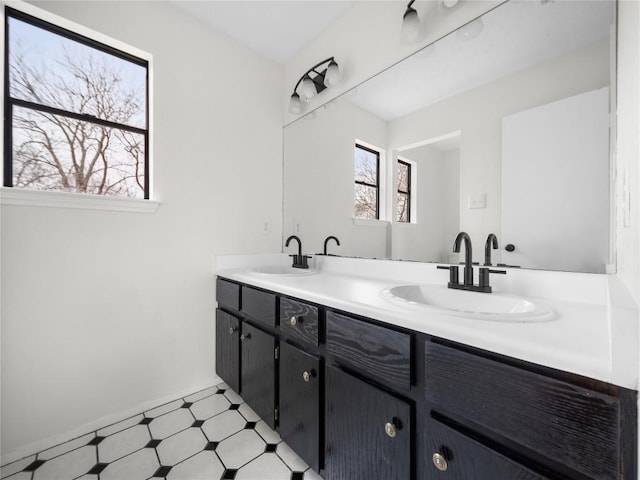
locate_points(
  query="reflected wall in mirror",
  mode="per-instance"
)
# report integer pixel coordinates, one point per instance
(506, 132)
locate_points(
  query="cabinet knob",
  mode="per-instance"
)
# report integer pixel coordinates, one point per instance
(390, 429)
(306, 376)
(440, 462)
(245, 336)
(232, 330)
(293, 321)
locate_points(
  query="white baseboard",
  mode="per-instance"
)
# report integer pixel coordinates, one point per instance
(40, 445)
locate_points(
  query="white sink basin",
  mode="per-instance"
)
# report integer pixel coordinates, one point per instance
(282, 271)
(461, 303)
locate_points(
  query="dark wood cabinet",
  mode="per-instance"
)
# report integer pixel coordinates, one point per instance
(299, 322)
(455, 456)
(259, 372)
(259, 305)
(300, 380)
(360, 399)
(367, 431)
(575, 428)
(377, 352)
(228, 349)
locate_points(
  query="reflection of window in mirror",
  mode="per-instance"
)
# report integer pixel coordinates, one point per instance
(367, 182)
(403, 203)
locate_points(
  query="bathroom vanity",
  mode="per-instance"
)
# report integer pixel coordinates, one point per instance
(362, 388)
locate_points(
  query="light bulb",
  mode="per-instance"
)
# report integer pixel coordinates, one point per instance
(308, 88)
(295, 105)
(410, 25)
(333, 75)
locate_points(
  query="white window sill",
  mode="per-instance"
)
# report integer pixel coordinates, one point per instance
(365, 222)
(405, 224)
(36, 198)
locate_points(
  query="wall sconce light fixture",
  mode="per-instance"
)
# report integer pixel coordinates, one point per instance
(315, 80)
(410, 24)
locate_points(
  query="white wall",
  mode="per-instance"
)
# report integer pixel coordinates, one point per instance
(319, 181)
(105, 311)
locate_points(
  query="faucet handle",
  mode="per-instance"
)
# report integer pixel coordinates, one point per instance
(484, 277)
(453, 273)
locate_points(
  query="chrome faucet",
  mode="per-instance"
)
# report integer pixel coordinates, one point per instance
(483, 274)
(492, 242)
(299, 260)
(326, 241)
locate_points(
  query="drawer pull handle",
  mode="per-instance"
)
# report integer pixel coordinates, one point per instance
(293, 321)
(306, 376)
(390, 429)
(245, 336)
(440, 462)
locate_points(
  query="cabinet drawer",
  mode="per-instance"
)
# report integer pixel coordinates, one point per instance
(468, 459)
(574, 426)
(377, 352)
(228, 294)
(299, 321)
(259, 305)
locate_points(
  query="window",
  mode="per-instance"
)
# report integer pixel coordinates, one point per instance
(76, 113)
(367, 186)
(404, 192)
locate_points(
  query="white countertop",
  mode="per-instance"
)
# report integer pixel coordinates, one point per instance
(593, 332)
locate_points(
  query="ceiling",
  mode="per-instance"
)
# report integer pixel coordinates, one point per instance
(510, 40)
(277, 29)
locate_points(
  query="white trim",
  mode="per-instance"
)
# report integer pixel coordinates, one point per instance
(35, 198)
(366, 222)
(40, 445)
(402, 225)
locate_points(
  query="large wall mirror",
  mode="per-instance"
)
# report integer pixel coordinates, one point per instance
(504, 126)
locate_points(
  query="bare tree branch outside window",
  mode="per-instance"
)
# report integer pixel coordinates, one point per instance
(78, 115)
(366, 183)
(403, 203)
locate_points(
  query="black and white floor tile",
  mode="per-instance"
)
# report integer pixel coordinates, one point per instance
(209, 435)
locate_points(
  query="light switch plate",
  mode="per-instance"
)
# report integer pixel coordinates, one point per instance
(477, 200)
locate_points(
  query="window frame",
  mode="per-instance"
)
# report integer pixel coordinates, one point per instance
(377, 185)
(85, 36)
(408, 192)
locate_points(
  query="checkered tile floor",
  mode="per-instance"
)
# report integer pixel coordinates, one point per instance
(210, 435)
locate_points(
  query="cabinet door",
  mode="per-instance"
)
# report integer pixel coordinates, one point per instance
(455, 456)
(258, 372)
(228, 349)
(367, 431)
(300, 403)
